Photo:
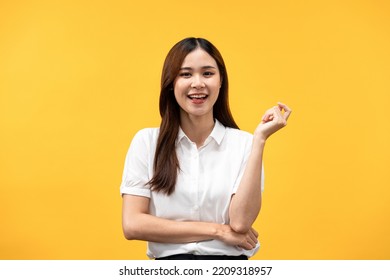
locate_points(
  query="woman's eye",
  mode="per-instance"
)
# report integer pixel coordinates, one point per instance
(185, 74)
(208, 74)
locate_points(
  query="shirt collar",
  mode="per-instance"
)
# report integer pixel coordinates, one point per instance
(217, 133)
(181, 135)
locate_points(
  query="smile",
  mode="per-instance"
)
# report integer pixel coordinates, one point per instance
(197, 96)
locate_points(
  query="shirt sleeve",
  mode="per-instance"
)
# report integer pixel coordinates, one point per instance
(137, 164)
(248, 148)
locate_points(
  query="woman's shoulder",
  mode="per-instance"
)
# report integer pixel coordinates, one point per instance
(238, 134)
(149, 134)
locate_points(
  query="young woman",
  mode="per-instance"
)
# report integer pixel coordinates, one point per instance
(192, 187)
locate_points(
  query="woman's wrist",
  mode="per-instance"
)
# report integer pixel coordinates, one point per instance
(218, 231)
(258, 144)
(259, 139)
(221, 231)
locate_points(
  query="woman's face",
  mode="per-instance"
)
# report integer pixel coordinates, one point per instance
(197, 85)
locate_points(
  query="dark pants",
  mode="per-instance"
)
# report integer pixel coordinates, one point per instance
(202, 257)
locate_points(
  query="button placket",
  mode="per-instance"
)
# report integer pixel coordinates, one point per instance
(195, 181)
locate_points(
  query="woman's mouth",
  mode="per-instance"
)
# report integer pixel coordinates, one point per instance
(198, 98)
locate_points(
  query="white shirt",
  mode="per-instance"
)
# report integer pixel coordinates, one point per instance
(207, 179)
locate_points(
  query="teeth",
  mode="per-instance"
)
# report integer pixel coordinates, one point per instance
(198, 96)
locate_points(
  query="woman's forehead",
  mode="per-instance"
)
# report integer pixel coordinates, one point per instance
(199, 58)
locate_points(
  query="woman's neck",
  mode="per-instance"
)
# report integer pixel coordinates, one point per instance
(197, 129)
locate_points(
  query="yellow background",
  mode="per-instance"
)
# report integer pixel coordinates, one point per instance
(79, 78)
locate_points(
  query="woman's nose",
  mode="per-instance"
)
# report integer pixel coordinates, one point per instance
(197, 82)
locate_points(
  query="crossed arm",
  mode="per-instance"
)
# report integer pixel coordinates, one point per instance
(245, 205)
(139, 224)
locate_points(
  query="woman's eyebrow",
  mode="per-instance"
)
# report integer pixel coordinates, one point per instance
(203, 67)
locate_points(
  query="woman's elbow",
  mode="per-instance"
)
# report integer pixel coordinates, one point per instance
(240, 227)
(128, 235)
(242, 224)
(130, 231)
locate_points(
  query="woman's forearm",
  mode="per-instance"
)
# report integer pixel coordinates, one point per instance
(150, 228)
(246, 202)
(139, 224)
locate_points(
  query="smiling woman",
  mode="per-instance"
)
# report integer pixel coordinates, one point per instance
(192, 187)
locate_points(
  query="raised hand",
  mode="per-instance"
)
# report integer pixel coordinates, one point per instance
(274, 119)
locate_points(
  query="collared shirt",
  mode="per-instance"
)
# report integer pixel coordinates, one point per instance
(208, 177)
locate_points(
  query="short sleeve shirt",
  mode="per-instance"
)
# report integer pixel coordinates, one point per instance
(208, 177)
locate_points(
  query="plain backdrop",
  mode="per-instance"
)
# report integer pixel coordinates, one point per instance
(79, 78)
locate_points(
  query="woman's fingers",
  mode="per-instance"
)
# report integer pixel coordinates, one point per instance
(274, 119)
(276, 112)
(253, 235)
(251, 244)
(251, 238)
(268, 116)
(287, 110)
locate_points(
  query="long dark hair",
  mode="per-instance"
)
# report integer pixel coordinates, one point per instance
(166, 164)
